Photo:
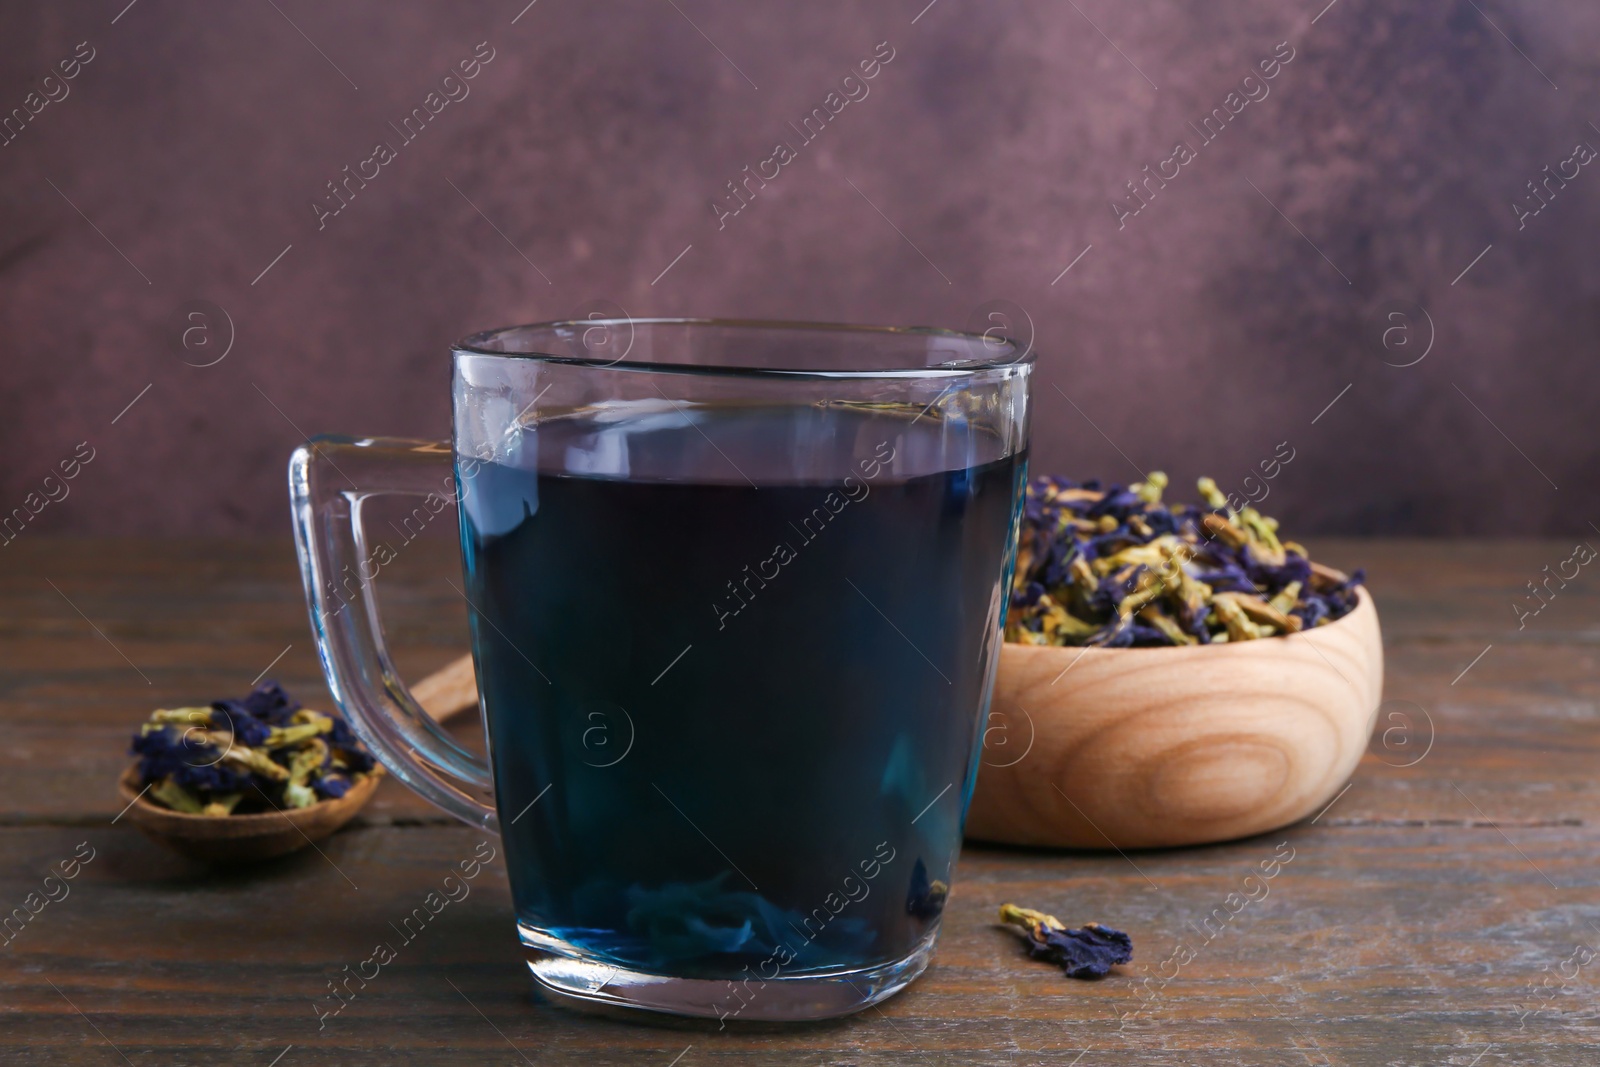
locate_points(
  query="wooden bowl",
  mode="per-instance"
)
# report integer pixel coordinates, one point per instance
(244, 838)
(1152, 747)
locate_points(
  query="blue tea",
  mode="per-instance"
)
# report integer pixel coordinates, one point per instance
(733, 716)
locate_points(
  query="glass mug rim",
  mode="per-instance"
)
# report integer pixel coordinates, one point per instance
(516, 342)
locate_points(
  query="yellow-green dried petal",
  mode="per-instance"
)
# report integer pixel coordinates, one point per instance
(222, 805)
(182, 716)
(1263, 535)
(1219, 527)
(1232, 615)
(257, 761)
(1150, 489)
(1286, 598)
(296, 795)
(283, 736)
(1027, 917)
(174, 796)
(1264, 613)
(1167, 625)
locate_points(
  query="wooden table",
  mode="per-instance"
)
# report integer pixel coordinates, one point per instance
(1443, 910)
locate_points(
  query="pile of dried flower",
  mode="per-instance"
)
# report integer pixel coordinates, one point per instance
(1087, 952)
(239, 757)
(1117, 568)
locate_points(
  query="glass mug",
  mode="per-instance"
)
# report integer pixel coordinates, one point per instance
(736, 592)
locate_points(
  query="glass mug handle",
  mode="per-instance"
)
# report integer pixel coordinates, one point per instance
(330, 479)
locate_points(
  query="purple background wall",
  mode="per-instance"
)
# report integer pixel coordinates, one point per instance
(1219, 321)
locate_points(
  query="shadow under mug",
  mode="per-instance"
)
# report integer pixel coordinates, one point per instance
(736, 592)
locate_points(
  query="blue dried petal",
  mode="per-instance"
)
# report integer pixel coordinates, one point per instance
(1344, 594)
(1057, 572)
(1295, 568)
(193, 763)
(331, 786)
(1119, 502)
(249, 730)
(169, 749)
(1229, 578)
(1110, 590)
(1141, 635)
(1087, 952)
(1110, 544)
(1194, 622)
(1161, 521)
(1105, 598)
(270, 702)
(1118, 634)
(1311, 610)
(216, 778)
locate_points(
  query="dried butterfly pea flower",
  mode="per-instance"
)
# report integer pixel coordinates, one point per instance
(284, 736)
(1087, 952)
(181, 716)
(1233, 536)
(1261, 612)
(925, 900)
(242, 756)
(247, 729)
(167, 753)
(1150, 490)
(176, 797)
(1168, 626)
(311, 758)
(223, 804)
(1261, 538)
(1117, 568)
(1238, 624)
(331, 785)
(258, 761)
(1214, 497)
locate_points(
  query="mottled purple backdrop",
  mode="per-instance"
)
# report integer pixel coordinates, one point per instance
(1248, 293)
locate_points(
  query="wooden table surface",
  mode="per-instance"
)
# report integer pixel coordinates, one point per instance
(1443, 910)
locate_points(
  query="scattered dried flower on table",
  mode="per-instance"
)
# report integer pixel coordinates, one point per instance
(1116, 568)
(240, 757)
(1087, 952)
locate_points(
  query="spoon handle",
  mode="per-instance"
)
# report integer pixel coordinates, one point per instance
(448, 691)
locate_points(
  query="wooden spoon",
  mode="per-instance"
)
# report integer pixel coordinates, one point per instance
(448, 691)
(244, 838)
(247, 838)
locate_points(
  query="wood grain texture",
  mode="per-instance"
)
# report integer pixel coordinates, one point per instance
(1154, 747)
(1413, 926)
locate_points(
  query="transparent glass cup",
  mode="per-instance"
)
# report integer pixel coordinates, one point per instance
(737, 592)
